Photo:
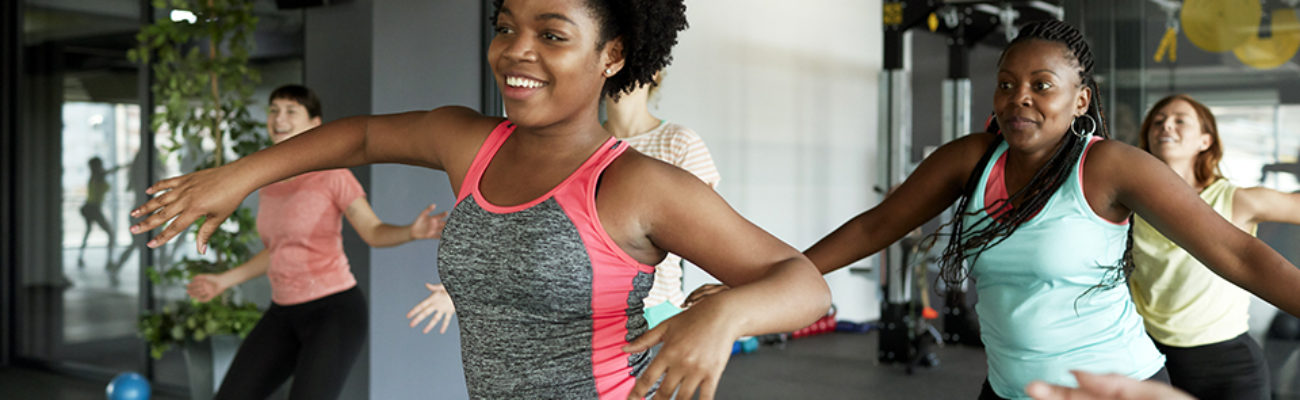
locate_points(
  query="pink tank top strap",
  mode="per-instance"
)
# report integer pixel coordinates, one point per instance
(484, 156)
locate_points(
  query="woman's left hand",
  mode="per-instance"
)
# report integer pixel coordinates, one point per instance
(438, 304)
(428, 226)
(697, 345)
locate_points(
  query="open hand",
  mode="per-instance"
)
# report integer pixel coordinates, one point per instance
(438, 304)
(213, 193)
(428, 226)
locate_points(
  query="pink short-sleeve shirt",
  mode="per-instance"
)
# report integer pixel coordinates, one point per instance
(300, 221)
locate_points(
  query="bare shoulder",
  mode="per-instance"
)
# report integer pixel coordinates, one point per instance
(644, 181)
(636, 169)
(1259, 197)
(952, 163)
(1254, 193)
(972, 145)
(461, 122)
(457, 133)
(1109, 158)
(1115, 148)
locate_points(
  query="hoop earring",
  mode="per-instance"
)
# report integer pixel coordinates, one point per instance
(1081, 133)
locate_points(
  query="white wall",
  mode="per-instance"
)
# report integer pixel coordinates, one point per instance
(785, 95)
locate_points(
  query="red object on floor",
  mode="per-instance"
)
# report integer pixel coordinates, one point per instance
(823, 325)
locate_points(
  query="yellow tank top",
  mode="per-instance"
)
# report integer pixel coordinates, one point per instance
(1182, 302)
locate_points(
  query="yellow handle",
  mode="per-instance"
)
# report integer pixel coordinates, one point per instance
(1168, 43)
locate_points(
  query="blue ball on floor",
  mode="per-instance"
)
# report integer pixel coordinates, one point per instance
(128, 386)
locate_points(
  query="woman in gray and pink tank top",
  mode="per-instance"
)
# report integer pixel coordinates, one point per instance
(557, 228)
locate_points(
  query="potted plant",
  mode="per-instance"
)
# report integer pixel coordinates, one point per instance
(202, 88)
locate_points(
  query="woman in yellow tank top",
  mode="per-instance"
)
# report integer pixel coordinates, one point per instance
(1198, 319)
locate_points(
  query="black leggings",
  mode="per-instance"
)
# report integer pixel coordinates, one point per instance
(987, 393)
(1231, 369)
(316, 342)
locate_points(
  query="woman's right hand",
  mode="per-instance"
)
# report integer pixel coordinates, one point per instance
(211, 193)
(204, 287)
(438, 304)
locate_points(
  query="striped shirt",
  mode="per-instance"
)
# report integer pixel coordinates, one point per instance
(681, 147)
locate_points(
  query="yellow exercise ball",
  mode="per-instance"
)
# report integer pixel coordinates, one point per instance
(1220, 25)
(1269, 53)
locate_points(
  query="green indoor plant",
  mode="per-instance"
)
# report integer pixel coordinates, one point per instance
(202, 87)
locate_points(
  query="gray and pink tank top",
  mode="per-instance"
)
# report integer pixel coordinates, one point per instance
(546, 298)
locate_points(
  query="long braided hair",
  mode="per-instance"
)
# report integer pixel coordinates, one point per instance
(966, 243)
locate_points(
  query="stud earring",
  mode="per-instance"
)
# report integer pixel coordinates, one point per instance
(608, 72)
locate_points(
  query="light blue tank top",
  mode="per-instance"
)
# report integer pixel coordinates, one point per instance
(1035, 320)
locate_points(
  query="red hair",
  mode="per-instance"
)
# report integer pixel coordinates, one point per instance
(1207, 162)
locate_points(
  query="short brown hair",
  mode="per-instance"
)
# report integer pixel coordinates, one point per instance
(301, 94)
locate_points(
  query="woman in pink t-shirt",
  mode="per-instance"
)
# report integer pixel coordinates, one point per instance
(316, 323)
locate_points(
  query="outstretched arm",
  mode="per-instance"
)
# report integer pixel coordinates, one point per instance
(934, 186)
(1145, 185)
(431, 139)
(204, 287)
(377, 233)
(775, 287)
(1261, 204)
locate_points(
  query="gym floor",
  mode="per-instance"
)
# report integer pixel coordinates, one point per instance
(830, 366)
(844, 366)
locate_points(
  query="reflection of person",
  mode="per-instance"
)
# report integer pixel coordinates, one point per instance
(1043, 224)
(628, 118)
(550, 248)
(93, 212)
(137, 182)
(1105, 387)
(1198, 319)
(316, 323)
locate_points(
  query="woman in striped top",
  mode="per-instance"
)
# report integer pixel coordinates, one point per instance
(629, 118)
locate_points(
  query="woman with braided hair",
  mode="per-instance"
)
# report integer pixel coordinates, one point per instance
(551, 246)
(1198, 319)
(1043, 224)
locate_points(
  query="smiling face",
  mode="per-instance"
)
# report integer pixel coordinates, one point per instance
(287, 118)
(1175, 132)
(548, 62)
(1039, 93)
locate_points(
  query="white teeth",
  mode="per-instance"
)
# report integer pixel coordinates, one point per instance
(515, 81)
(1167, 139)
